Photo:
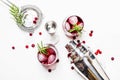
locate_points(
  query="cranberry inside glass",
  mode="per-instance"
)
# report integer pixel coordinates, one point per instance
(47, 55)
(73, 26)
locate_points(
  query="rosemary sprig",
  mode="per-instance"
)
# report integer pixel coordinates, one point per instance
(42, 49)
(16, 13)
(76, 28)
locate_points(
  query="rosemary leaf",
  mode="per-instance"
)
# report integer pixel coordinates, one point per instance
(16, 13)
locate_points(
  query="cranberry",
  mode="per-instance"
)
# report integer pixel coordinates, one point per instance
(78, 41)
(49, 70)
(91, 31)
(57, 60)
(35, 18)
(69, 55)
(26, 46)
(112, 58)
(13, 47)
(83, 42)
(79, 44)
(50, 51)
(30, 34)
(33, 45)
(34, 22)
(96, 53)
(72, 68)
(90, 34)
(100, 52)
(40, 33)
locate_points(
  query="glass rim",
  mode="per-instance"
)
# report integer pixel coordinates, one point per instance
(56, 51)
(68, 33)
(39, 15)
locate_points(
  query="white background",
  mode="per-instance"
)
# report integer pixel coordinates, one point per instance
(102, 16)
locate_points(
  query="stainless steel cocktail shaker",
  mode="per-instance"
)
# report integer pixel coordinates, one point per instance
(85, 62)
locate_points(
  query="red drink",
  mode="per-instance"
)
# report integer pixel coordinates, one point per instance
(73, 26)
(48, 56)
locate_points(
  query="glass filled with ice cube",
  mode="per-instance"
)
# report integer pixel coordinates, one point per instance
(47, 55)
(73, 26)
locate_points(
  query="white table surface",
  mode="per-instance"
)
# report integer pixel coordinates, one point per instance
(101, 16)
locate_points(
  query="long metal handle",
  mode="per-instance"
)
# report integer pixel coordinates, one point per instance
(7, 2)
(94, 69)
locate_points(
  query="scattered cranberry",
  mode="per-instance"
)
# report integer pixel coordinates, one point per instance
(79, 44)
(49, 70)
(91, 31)
(90, 34)
(83, 42)
(112, 58)
(98, 51)
(35, 18)
(26, 46)
(30, 34)
(34, 22)
(72, 68)
(40, 33)
(69, 55)
(57, 60)
(13, 47)
(33, 45)
(78, 41)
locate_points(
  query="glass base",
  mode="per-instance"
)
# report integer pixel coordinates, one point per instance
(54, 39)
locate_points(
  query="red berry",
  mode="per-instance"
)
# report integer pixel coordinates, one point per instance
(33, 45)
(78, 41)
(78, 23)
(30, 34)
(35, 18)
(72, 68)
(57, 60)
(49, 70)
(83, 42)
(112, 58)
(13, 47)
(100, 52)
(26, 46)
(69, 55)
(40, 33)
(79, 44)
(96, 53)
(50, 51)
(90, 34)
(34, 22)
(91, 31)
